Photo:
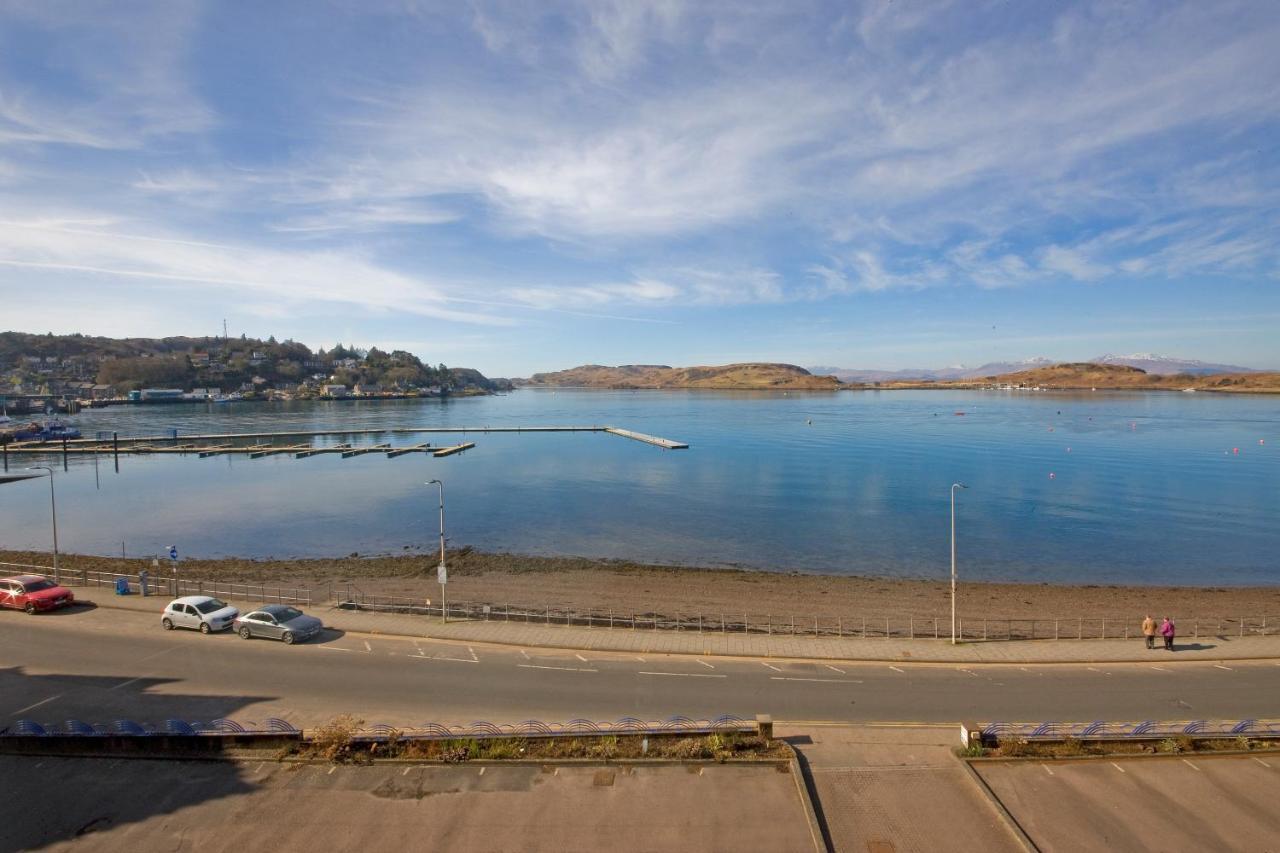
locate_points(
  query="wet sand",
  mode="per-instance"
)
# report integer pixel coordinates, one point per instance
(626, 588)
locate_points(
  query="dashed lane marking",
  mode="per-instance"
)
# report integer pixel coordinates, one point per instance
(1046, 769)
(771, 666)
(406, 771)
(824, 680)
(1192, 766)
(36, 705)
(368, 648)
(704, 663)
(1260, 761)
(524, 654)
(331, 769)
(455, 660)
(684, 674)
(472, 652)
(1227, 668)
(580, 657)
(1162, 669)
(834, 668)
(1117, 766)
(895, 669)
(561, 668)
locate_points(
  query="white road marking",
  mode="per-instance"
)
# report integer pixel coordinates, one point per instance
(580, 657)
(1162, 669)
(1227, 668)
(331, 769)
(895, 669)
(1117, 766)
(561, 668)
(406, 771)
(127, 683)
(834, 668)
(525, 654)
(473, 654)
(684, 674)
(771, 666)
(825, 680)
(1192, 766)
(642, 660)
(1046, 769)
(482, 769)
(970, 672)
(36, 705)
(1260, 761)
(367, 647)
(704, 663)
(341, 649)
(455, 660)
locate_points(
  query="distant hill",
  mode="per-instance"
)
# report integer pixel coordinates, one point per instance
(751, 376)
(1121, 376)
(1164, 364)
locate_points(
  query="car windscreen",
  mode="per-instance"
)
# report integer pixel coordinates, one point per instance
(38, 586)
(210, 605)
(287, 614)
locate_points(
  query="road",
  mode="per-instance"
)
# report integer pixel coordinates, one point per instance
(99, 665)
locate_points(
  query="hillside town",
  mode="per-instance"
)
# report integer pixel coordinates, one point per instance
(66, 372)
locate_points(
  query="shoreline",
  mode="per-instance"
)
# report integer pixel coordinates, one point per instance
(638, 588)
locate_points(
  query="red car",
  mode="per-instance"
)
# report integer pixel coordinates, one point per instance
(32, 593)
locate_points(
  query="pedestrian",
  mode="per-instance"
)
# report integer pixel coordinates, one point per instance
(1149, 631)
(1169, 631)
(142, 582)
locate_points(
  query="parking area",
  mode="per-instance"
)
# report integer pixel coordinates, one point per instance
(1170, 804)
(130, 805)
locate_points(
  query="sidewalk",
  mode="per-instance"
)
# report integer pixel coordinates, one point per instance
(520, 634)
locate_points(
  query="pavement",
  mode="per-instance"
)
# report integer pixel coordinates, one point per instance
(130, 805)
(1220, 647)
(895, 789)
(101, 664)
(1171, 804)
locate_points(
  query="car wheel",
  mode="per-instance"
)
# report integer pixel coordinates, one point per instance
(30, 608)
(246, 634)
(287, 636)
(167, 623)
(204, 628)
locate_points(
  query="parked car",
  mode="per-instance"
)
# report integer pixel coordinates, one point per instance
(278, 622)
(199, 612)
(33, 593)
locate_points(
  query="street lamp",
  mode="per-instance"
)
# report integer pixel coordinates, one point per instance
(441, 573)
(954, 486)
(53, 505)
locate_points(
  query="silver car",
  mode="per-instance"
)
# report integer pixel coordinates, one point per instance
(278, 622)
(200, 612)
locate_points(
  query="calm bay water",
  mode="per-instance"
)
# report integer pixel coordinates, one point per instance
(1077, 488)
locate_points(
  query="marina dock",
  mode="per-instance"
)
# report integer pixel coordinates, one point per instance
(300, 444)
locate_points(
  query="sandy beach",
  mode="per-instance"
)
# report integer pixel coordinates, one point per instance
(624, 587)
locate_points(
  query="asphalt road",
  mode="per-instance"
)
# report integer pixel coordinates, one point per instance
(101, 665)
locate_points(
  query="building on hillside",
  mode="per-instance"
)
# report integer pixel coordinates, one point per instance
(158, 394)
(334, 391)
(368, 389)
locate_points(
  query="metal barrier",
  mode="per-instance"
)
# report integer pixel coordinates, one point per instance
(382, 732)
(1145, 730)
(165, 585)
(856, 627)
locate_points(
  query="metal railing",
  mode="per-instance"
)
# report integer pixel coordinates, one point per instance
(857, 627)
(166, 585)
(1146, 730)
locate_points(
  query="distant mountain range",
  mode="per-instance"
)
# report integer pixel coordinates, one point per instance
(1160, 365)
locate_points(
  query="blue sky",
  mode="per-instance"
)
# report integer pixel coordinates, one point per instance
(522, 186)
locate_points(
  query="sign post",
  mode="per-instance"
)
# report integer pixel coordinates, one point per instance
(173, 566)
(442, 573)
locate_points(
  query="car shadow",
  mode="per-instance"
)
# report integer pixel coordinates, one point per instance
(71, 609)
(326, 635)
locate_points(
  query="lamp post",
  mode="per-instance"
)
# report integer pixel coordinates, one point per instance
(954, 486)
(441, 571)
(53, 506)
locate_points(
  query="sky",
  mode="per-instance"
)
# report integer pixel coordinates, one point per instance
(521, 187)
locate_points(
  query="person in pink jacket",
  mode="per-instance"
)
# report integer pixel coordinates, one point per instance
(1168, 631)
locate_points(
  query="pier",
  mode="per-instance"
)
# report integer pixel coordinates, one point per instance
(300, 443)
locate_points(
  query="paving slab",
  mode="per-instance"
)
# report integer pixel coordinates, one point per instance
(896, 789)
(528, 635)
(1174, 804)
(131, 805)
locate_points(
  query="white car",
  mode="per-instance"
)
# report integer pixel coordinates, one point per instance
(200, 612)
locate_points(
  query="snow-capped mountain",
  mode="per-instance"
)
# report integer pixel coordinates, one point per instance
(959, 371)
(1164, 364)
